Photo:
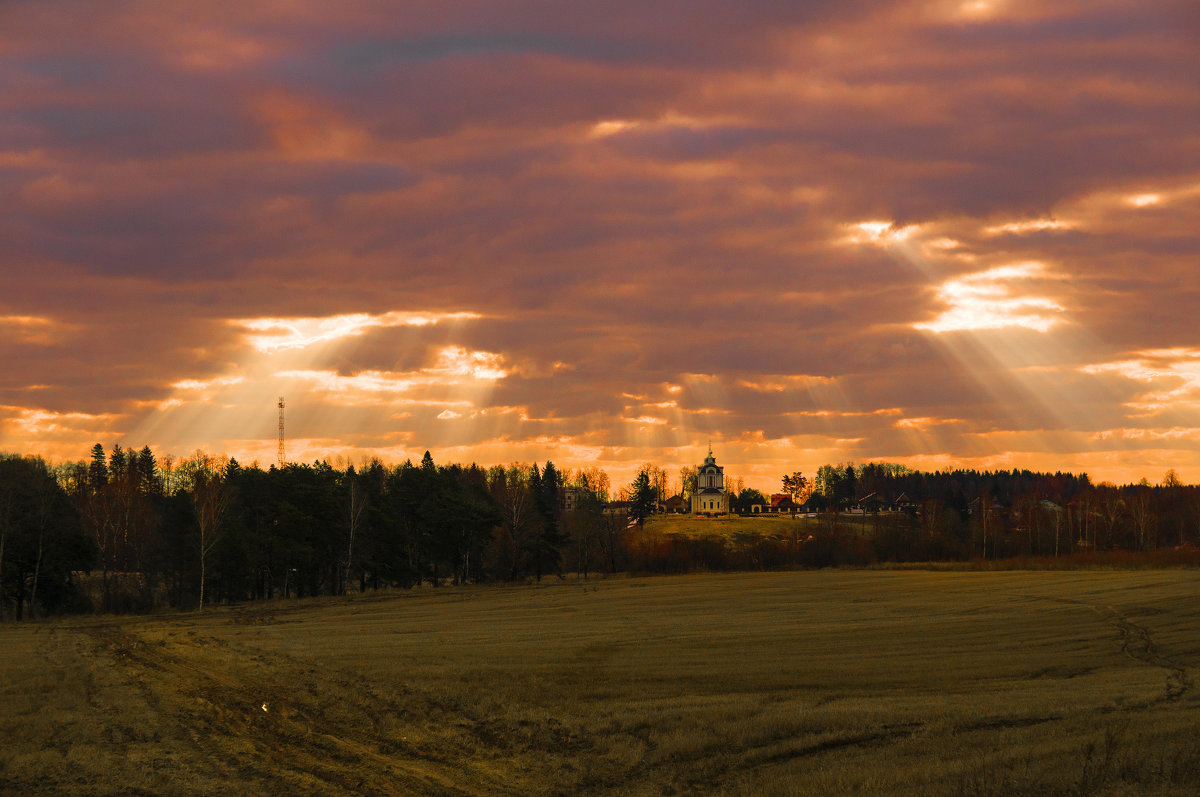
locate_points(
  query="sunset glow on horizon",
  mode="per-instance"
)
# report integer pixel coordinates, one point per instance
(944, 234)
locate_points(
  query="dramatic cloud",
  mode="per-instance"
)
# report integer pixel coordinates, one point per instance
(941, 232)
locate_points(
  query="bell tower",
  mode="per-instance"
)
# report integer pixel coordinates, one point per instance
(710, 497)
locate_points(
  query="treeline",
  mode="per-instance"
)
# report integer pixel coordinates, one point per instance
(126, 532)
(885, 513)
(904, 515)
(204, 529)
(843, 486)
(857, 515)
(42, 544)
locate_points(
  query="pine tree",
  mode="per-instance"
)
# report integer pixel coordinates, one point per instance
(795, 486)
(98, 469)
(643, 498)
(148, 472)
(849, 486)
(535, 539)
(116, 464)
(551, 538)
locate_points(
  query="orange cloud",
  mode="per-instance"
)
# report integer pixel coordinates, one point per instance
(958, 232)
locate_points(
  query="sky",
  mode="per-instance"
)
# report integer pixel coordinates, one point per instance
(944, 233)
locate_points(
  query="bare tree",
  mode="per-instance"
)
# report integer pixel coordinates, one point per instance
(1058, 516)
(6, 511)
(358, 502)
(687, 482)
(985, 515)
(735, 485)
(1141, 510)
(166, 470)
(1083, 521)
(43, 516)
(1112, 509)
(596, 480)
(583, 525)
(614, 527)
(518, 512)
(211, 497)
(658, 478)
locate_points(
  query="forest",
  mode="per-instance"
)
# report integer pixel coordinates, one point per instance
(124, 532)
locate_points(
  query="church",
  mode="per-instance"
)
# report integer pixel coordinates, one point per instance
(710, 497)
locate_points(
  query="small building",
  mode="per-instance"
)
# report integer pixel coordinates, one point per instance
(781, 502)
(571, 496)
(870, 504)
(904, 504)
(618, 508)
(710, 496)
(675, 505)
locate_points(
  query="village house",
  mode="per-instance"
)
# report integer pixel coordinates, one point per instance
(571, 496)
(782, 503)
(675, 505)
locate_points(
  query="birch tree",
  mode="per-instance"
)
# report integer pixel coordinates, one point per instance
(210, 498)
(358, 503)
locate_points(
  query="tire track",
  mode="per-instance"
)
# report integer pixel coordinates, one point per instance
(1138, 644)
(293, 741)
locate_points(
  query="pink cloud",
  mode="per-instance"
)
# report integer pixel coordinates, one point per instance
(797, 216)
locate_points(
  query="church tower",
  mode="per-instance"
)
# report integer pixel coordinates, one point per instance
(710, 497)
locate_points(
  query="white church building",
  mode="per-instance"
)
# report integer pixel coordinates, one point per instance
(710, 497)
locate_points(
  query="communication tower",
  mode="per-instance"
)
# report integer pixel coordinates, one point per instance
(281, 455)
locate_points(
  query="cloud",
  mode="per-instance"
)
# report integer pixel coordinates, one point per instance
(992, 300)
(30, 328)
(278, 334)
(937, 232)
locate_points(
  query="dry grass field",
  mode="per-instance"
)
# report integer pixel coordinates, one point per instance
(729, 525)
(770, 525)
(822, 682)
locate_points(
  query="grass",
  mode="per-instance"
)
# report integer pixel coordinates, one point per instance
(1078, 682)
(767, 524)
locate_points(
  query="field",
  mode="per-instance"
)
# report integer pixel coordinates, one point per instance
(818, 682)
(773, 525)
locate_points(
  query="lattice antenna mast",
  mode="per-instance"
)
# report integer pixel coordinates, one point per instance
(282, 458)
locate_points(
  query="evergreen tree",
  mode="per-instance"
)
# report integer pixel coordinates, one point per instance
(98, 469)
(116, 464)
(551, 539)
(795, 486)
(746, 499)
(643, 498)
(470, 515)
(399, 544)
(848, 488)
(535, 539)
(148, 472)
